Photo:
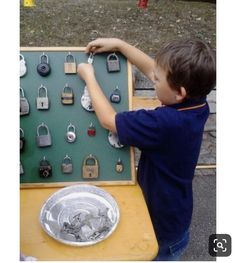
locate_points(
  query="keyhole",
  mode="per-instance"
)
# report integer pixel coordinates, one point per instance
(41, 104)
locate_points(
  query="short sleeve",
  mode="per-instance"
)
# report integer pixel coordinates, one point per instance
(141, 128)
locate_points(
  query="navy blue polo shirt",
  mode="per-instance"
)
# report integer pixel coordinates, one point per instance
(169, 138)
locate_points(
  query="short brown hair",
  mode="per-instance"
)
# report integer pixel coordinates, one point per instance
(190, 64)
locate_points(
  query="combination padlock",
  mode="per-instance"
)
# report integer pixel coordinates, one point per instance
(70, 64)
(114, 140)
(86, 101)
(67, 95)
(24, 104)
(45, 169)
(115, 96)
(67, 166)
(90, 168)
(42, 101)
(70, 134)
(119, 166)
(113, 63)
(91, 130)
(43, 67)
(22, 140)
(43, 140)
(23, 68)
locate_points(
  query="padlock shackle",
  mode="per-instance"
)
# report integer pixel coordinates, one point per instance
(22, 133)
(90, 157)
(69, 55)
(40, 126)
(22, 92)
(45, 89)
(67, 158)
(43, 56)
(112, 55)
(68, 87)
(22, 57)
(70, 126)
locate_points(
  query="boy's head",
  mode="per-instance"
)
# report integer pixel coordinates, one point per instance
(189, 66)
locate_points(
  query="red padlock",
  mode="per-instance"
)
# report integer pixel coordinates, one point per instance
(142, 3)
(91, 130)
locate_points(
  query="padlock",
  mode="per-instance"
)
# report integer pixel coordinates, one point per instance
(114, 140)
(70, 64)
(119, 166)
(67, 166)
(23, 68)
(90, 167)
(21, 169)
(43, 67)
(67, 96)
(115, 96)
(24, 104)
(45, 169)
(91, 130)
(86, 101)
(22, 140)
(113, 63)
(42, 101)
(70, 134)
(43, 140)
(90, 58)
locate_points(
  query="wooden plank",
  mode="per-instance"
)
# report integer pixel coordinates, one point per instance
(145, 103)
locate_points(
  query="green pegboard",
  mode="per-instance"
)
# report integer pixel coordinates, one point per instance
(58, 117)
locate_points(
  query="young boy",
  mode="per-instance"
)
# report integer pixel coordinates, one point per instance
(169, 137)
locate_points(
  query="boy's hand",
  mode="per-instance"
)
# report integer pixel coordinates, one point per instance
(85, 71)
(103, 45)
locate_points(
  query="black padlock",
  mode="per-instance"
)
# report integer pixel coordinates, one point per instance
(22, 140)
(43, 67)
(115, 95)
(45, 169)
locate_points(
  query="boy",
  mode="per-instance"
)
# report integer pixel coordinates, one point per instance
(169, 137)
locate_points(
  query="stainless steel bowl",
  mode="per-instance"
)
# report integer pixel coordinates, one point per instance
(80, 215)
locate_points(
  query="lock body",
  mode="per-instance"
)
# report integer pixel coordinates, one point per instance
(42, 103)
(66, 168)
(21, 169)
(24, 106)
(113, 63)
(115, 96)
(91, 130)
(45, 169)
(119, 166)
(23, 68)
(90, 168)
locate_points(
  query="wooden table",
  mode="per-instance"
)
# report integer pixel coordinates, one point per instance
(133, 239)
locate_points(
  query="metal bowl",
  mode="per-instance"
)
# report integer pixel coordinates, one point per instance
(80, 215)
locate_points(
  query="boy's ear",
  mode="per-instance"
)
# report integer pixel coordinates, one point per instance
(181, 94)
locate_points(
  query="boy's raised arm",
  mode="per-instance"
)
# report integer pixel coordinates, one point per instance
(138, 58)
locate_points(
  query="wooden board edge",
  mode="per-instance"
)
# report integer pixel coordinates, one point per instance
(52, 48)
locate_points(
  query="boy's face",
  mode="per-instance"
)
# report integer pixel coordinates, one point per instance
(164, 92)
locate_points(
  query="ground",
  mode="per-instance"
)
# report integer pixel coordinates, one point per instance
(76, 22)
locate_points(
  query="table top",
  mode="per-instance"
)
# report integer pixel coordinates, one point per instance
(133, 239)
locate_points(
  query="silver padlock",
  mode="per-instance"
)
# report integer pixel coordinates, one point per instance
(21, 169)
(70, 134)
(24, 104)
(113, 63)
(42, 102)
(90, 58)
(43, 140)
(114, 140)
(23, 68)
(67, 166)
(86, 101)
(70, 64)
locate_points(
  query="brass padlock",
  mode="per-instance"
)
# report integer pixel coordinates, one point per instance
(119, 166)
(67, 166)
(67, 96)
(90, 167)
(70, 64)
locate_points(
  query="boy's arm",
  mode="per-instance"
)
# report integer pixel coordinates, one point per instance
(138, 58)
(104, 111)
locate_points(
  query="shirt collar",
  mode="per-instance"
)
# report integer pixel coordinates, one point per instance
(188, 103)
